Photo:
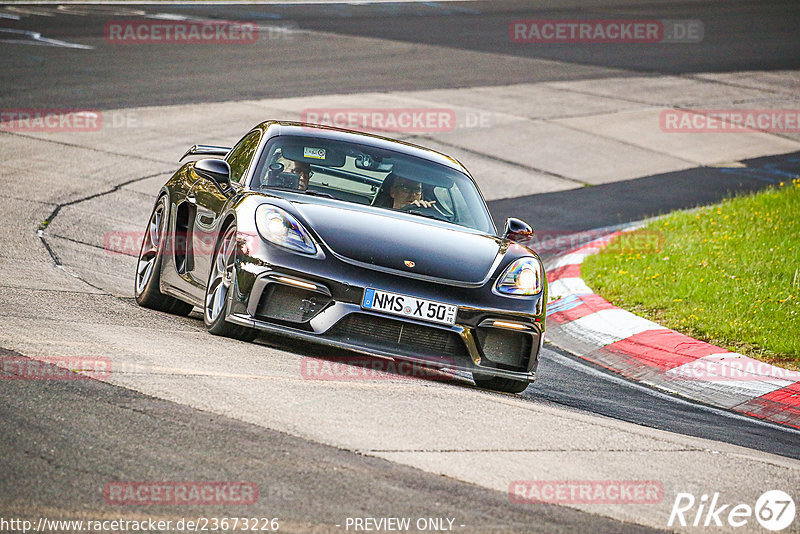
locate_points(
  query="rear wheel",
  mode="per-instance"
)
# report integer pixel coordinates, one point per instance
(497, 383)
(220, 283)
(148, 268)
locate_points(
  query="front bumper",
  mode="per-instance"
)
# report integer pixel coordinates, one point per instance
(325, 307)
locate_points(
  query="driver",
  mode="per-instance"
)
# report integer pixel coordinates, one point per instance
(301, 169)
(406, 192)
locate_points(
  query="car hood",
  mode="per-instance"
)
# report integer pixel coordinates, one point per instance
(391, 240)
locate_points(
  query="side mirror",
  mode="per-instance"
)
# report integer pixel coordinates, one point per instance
(517, 230)
(216, 170)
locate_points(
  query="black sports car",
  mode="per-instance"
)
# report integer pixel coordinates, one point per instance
(347, 239)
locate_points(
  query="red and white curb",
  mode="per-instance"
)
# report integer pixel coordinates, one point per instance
(592, 328)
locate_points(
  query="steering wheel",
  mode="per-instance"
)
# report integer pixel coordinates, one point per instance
(433, 212)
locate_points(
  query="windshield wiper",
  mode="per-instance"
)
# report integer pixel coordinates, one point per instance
(318, 194)
(423, 214)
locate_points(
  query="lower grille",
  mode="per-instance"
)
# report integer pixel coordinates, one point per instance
(291, 304)
(504, 347)
(397, 336)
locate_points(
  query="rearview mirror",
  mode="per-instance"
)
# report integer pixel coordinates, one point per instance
(517, 230)
(366, 162)
(214, 169)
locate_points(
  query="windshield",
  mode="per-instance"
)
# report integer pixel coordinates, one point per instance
(371, 176)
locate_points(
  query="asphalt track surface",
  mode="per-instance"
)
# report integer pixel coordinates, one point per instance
(73, 436)
(739, 36)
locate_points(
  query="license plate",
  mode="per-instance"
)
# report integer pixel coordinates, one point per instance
(406, 306)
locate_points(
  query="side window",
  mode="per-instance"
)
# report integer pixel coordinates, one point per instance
(240, 156)
(461, 209)
(444, 198)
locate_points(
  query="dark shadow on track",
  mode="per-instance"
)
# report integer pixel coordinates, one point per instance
(744, 35)
(738, 36)
(604, 205)
(570, 381)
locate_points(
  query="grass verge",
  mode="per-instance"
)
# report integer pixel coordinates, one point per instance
(728, 274)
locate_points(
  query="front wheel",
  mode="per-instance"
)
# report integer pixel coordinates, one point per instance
(498, 383)
(220, 282)
(148, 268)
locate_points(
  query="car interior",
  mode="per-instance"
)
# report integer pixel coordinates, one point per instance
(364, 175)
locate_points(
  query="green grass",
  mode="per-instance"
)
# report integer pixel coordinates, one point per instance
(728, 274)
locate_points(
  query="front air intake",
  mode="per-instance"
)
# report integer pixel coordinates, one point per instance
(507, 348)
(290, 304)
(412, 339)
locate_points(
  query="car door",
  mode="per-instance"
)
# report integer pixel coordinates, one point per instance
(210, 202)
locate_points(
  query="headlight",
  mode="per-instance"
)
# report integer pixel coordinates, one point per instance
(277, 226)
(523, 277)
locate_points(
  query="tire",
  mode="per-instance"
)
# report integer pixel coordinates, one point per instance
(497, 383)
(220, 279)
(148, 267)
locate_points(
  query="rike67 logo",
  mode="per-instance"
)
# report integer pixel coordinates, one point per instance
(774, 510)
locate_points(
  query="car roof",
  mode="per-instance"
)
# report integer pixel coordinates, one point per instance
(302, 129)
